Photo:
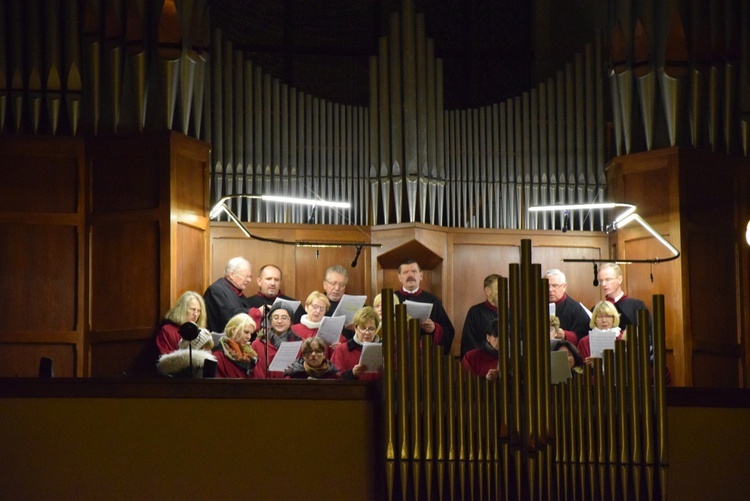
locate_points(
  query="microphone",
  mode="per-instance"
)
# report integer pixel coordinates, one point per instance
(596, 275)
(566, 221)
(356, 256)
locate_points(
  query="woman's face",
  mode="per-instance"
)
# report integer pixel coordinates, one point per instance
(366, 332)
(493, 340)
(280, 321)
(604, 321)
(315, 357)
(245, 335)
(379, 309)
(571, 360)
(316, 310)
(193, 310)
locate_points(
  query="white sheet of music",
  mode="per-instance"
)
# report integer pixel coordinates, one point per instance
(372, 356)
(293, 305)
(330, 329)
(552, 309)
(602, 340)
(348, 306)
(286, 356)
(417, 310)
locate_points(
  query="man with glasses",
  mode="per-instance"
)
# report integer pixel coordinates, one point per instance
(610, 280)
(479, 317)
(334, 286)
(225, 297)
(439, 325)
(574, 319)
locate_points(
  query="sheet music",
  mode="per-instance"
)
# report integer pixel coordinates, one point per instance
(330, 329)
(372, 356)
(417, 310)
(348, 306)
(552, 309)
(602, 340)
(285, 357)
(559, 366)
(293, 305)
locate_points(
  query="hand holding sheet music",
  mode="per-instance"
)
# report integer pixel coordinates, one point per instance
(417, 310)
(286, 356)
(372, 356)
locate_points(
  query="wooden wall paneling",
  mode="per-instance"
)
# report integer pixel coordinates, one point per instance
(695, 199)
(42, 254)
(148, 231)
(188, 205)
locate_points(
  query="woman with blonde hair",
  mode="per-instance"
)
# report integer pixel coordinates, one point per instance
(346, 355)
(235, 357)
(604, 317)
(188, 308)
(316, 306)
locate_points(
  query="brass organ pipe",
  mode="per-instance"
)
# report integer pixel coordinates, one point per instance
(529, 427)
(440, 404)
(611, 415)
(647, 401)
(633, 394)
(415, 394)
(503, 383)
(621, 388)
(402, 351)
(514, 434)
(428, 377)
(453, 407)
(389, 375)
(580, 424)
(547, 434)
(598, 453)
(660, 383)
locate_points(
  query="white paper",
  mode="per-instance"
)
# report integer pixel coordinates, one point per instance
(602, 340)
(372, 356)
(348, 306)
(293, 305)
(330, 329)
(559, 366)
(552, 309)
(417, 310)
(285, 357)
(216, 336)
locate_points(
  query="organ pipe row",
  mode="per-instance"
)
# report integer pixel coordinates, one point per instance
(678, 73)
(452, 435)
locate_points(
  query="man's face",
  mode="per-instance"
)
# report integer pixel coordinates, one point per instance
(410, 276)
(557, 288)
(240, 277)
(491, 293)
(334, 285)
(269, 282)
(609, 282)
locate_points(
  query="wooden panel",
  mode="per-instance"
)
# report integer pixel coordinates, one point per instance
(118, 358)
(126, 181)
(711, 370)
(38, 276)
(22, 359)
(125, 271)
(190, 244)
(41, 182)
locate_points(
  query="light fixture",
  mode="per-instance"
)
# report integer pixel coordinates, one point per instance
(221, 206)
(624, 218)
(747, 233)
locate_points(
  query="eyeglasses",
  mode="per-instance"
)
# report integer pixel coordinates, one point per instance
(604, 317)
(555, 286)
(280, 318)
(243, 277)
(369, 330)
(316, 307)
(313, 352)
(335, 284)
